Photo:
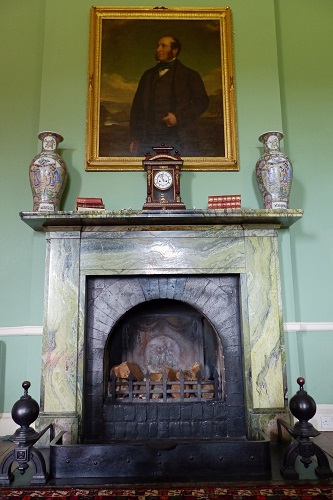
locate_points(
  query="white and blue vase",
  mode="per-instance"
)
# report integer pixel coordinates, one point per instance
(48, 174)
(274, 172)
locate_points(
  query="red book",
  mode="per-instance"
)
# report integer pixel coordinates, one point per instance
(225, 198)
(93, 201)
(90, 205)
(225, 205)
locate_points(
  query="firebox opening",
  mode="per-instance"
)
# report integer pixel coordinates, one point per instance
(163, 351)
(169, 326)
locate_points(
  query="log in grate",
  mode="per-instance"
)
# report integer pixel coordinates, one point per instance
(163, 390)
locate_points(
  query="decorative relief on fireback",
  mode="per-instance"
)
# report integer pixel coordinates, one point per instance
(162, 352)
(161, 341)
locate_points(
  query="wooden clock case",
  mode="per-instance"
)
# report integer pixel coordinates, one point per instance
(163, 191)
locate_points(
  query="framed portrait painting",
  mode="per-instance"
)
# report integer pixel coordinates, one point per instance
(160, 76)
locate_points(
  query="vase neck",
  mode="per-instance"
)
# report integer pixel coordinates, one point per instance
(50, 144)
(271, 144)
(50, 141)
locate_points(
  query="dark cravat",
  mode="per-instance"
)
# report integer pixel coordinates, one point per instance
(165, 65)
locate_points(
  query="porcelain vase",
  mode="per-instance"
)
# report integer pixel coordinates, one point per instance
(274, 172)
(48, 174)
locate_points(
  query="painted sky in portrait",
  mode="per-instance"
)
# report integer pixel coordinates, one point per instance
(128, 49)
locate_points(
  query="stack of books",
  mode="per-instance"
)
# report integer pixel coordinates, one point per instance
(88, 204)
(225, 201)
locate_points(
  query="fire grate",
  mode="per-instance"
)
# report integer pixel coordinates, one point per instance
(163, 390)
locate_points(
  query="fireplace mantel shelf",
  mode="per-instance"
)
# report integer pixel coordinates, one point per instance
(282, 219)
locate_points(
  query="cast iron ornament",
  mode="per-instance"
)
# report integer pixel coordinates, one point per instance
(303, 407)
(24, 412)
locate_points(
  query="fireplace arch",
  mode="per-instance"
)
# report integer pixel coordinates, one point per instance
(122, 313)
(165, 336)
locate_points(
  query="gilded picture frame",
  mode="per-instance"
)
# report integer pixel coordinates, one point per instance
(122, 46)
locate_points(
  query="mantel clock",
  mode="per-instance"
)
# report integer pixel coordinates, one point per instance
(163, 180)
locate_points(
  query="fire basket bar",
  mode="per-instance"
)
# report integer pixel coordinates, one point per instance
(130, 390)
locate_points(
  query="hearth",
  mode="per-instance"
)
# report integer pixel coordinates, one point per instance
(187, 303)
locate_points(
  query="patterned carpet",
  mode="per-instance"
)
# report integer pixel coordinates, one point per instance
(183, 492)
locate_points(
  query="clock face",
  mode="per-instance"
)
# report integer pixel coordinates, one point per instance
(163, 180)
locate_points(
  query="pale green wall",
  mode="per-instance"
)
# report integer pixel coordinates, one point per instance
(305, 40)
(307, 98)
(284, 70)
(19, 361)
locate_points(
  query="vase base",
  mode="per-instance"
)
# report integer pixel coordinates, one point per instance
(45, 207)
(277, 205)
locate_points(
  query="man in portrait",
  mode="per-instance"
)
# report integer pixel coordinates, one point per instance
(169, 99)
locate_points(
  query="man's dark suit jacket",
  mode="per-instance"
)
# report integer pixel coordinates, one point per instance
(187, 100)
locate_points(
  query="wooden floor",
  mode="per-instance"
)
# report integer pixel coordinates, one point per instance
(324, 440)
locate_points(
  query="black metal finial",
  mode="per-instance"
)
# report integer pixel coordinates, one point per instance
(303, 407)
(26, 386)
(301, 382)
(25, 411)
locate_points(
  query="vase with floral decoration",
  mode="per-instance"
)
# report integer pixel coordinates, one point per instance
(48, 174)
(274, 172)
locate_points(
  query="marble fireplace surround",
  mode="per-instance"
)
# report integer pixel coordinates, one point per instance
(132, 243)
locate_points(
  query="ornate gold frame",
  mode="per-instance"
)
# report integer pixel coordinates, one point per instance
(105, 19)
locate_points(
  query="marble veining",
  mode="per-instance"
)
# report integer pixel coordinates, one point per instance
(61, 327)
(167, 251)
(175, 245)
